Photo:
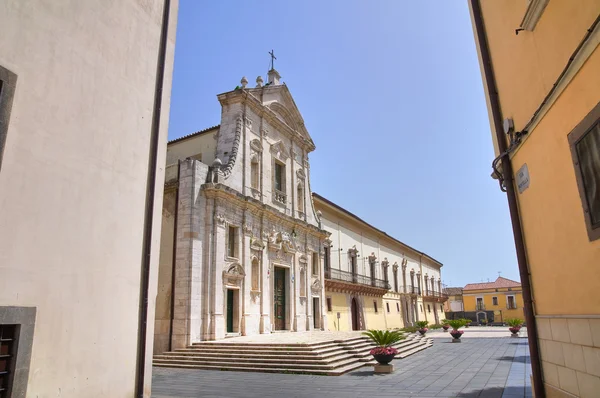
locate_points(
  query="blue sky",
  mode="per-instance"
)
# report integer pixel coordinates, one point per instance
(391, 94)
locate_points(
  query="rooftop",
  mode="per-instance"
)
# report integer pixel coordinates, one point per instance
(453, 291)
(497, 284)
(336, 206)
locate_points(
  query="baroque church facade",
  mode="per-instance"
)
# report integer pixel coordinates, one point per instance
(244, 250)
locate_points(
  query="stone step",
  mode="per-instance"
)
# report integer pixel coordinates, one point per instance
(266, 359)
(321, 372)
(223, 347)
(325, 358)
(263, 351)
(260, 364)
(299, 346)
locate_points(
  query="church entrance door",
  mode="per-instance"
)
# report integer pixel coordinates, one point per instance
(279, 298)
(229, 311)
(354, 313)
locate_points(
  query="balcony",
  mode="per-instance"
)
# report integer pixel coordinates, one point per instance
(413, 290)
(432, 295)
(480, 307)
(348, 282)
(511, 307)
(279, 197)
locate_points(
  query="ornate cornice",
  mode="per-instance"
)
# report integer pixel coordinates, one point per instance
(220, 191)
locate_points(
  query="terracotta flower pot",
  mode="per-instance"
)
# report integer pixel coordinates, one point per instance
(423, 331)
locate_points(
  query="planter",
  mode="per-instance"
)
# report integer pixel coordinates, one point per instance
(446, 328)
(456, 335)
(384, 359)
(514, 331)
(423, 331)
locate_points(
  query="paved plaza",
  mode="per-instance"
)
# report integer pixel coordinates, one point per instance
(488, 363)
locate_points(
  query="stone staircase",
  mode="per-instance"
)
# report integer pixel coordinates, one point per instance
(328, 358)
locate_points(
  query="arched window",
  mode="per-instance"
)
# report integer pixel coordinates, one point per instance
(254, 172)
(300, 198)
(255, 275)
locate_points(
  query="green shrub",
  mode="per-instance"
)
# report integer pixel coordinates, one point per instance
(456, 323)
(435, 326)
(421, 324)
(384, 338)
(514, 322)
(410, 329)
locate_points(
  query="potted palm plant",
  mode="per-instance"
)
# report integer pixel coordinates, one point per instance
(514, 326)
(456, 333)
(422, 325)
(384, 339)
(445, 325)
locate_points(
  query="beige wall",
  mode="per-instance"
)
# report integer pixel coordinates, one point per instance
(203, 145)
(73, 185)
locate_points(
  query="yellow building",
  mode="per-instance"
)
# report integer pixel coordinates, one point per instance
(455, 299)
(540, 63)
(503, 296)
(372, 280)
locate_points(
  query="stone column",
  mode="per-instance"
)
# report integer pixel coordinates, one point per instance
(188, 264)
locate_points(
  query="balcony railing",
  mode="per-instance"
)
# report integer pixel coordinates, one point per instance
(339, 275)
(480, 307)
(511, 307)
(434, 294)
(413, 290)
(279, 197)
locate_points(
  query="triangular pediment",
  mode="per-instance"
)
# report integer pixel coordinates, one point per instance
(281, 102)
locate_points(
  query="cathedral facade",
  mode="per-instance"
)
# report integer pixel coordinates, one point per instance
(244, 250)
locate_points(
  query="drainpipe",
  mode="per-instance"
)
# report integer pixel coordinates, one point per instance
(507, 172)
(149, 207)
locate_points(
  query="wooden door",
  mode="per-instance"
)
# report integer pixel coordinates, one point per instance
(229, 311)
(279, 298)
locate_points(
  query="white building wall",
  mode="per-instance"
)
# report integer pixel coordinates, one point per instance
(73, 185)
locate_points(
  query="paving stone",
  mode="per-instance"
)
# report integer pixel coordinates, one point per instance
(491, 367)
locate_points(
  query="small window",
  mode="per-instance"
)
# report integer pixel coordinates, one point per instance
(387, 306)
(441, 308)
(584, 142)
(510, 303)
(428, 308)
(232, 242)
(326, 261)
(329, 305)
(495, 300)
(398, 307)
(315, 263)
(8, 344)
(300, 195)
(375, 306)
(302, 283)
(254, 173)
(255, 275)
(421, 308)
(8, 81)
(279, 177)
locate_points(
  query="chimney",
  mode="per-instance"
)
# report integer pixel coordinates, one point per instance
(274, 77)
